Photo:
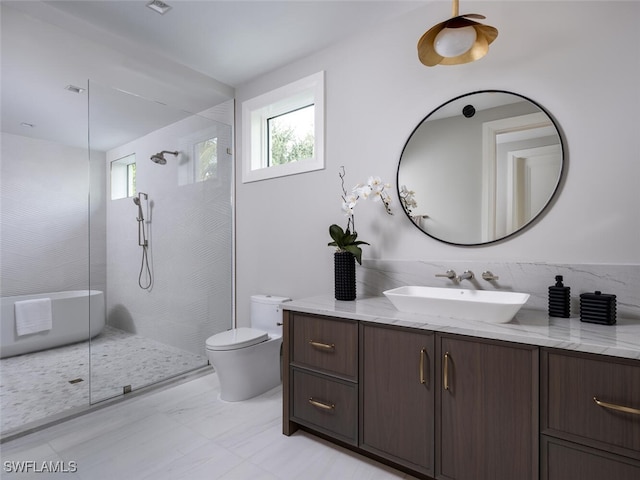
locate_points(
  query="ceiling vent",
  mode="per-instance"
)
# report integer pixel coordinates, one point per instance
(159, 6)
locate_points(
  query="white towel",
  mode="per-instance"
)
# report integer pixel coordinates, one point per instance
(33, 316)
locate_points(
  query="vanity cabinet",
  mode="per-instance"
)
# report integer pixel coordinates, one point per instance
(397, 395)
(321, 375)
(590, 416)
(486, 409)
(437, 405)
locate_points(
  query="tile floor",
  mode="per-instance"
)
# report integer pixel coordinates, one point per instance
(186, 432)
(36, 385)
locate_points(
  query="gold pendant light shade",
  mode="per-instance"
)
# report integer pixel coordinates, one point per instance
(453, 42)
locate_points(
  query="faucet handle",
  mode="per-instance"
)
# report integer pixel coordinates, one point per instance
(450, 274)
(489, 276)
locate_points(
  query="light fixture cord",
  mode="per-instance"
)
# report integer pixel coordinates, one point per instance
(456, 8)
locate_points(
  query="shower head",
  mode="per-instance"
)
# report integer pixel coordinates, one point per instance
(159, 157)
(136, 200)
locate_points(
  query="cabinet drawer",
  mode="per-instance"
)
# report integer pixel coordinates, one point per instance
(574, 382)
(325, 344)
(566, 461)
(328, 405)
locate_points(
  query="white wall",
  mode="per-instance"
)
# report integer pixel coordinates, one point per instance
(45, 218)
(579, 60)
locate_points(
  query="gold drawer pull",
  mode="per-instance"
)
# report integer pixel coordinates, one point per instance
(445, 379)
(322, 405)
(423, 356)
(445, 376)
(322, 346)
(619, 408)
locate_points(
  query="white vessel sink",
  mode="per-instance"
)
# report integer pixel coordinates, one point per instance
(483, 305)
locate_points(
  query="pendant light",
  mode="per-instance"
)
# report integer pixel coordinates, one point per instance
(455, 41)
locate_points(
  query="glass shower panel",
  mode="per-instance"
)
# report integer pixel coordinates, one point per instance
(163, 245)
(44, 254)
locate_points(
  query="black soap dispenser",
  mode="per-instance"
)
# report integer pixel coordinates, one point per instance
(559, 299)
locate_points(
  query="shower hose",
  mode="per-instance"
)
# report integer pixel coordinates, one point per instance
(144, 265)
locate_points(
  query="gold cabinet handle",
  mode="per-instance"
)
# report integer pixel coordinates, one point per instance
(445, 379)
(322, 405)
(423, 357)
(619, 408)
(322, 346)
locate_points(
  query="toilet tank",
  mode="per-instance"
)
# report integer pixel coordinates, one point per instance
(266, 312)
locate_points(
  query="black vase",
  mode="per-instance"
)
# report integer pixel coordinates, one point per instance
(345, 275)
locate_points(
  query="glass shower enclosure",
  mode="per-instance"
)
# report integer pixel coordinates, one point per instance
(161, 237)
(142, 248)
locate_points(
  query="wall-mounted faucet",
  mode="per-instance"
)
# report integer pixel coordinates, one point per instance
(489, 276)
(450, 274)
(467, 275)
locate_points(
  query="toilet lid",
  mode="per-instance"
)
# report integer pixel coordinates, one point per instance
(236, 338)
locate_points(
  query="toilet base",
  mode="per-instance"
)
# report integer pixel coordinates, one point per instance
(247, 372)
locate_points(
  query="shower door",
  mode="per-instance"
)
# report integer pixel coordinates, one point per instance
(161, 245)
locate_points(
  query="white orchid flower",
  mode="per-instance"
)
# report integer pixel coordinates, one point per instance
(375, 182)
(362, 191)
(349, 204)
(373, 186)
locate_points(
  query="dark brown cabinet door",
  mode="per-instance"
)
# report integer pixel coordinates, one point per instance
(396, 393)
(487, 410)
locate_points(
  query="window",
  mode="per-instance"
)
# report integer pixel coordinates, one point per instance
(201, 151)
(291, 136)
(123, 177)
(206, 159)
(283, 130)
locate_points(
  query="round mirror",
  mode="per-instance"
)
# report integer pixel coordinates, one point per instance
(480, 167)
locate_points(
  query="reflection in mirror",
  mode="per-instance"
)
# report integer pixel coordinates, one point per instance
(480, 168)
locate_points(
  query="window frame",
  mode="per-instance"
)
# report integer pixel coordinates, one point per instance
(122, 185)
(188, 172)
(255, 115)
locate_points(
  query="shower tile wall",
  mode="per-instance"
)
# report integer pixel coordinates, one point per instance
(189, 234)
(44, 219)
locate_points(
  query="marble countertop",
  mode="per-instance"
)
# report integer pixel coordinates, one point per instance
(531, 327)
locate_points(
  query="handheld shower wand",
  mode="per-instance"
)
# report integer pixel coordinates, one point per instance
(142, 241)
(136, 200)
(142, 238)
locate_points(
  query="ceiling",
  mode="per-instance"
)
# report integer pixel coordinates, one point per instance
(192, 57)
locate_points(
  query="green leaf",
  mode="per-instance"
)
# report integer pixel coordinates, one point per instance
(337, 234)
(355, 251)
(346, 241)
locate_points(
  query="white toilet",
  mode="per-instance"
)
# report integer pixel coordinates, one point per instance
(247, 360)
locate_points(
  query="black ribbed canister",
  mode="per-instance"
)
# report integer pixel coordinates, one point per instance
(559, 299)
(598, 307)
(345, 276)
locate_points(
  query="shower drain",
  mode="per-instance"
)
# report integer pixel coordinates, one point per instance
(76, 380)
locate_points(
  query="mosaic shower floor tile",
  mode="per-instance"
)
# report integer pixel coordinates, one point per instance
(38, 385)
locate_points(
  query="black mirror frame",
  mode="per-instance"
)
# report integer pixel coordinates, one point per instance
(552, 198)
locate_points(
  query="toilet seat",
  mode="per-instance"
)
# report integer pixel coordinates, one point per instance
(236, 338)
